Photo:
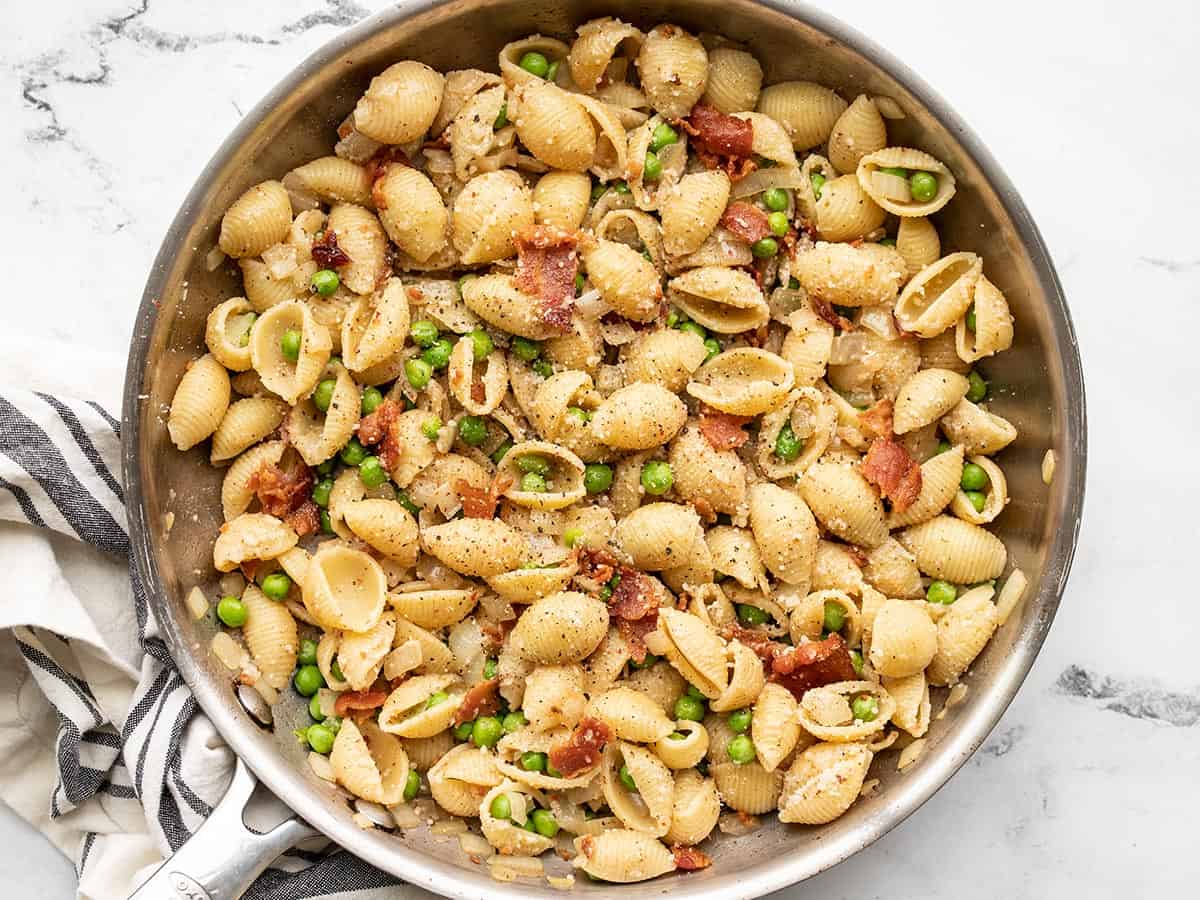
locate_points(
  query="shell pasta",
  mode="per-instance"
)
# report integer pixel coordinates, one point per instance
(604, 447)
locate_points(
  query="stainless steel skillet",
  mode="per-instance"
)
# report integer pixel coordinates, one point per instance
(1039, 387)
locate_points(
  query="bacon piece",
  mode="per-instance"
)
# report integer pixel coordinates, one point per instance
(596, 565)
(720, 134)
(856, 553)
(633, 597)
(634, 632)
(326, 253)
(306, 519)
(281, 492)
(704, 509)
(813, 664)
(546, 267)
(878, 419)
(825, 310)
(746, 220)
(888, 466)
(478, 390)
(374, 426)
(385, 156)
(478, 503)
(358, 701)
(757, 641)
(480, 700)
(722, 430)
(689, 858)
(581, 751)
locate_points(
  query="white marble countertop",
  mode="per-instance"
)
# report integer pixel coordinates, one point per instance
(1087, 786)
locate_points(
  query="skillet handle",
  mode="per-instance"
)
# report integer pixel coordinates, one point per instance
(223, 857)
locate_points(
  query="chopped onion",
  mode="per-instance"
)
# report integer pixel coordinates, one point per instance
(465, 641)
(376, 813)
(168, 521)
(232, 584)
(326, 699)
(519, 804)
(281, 260)
(523, 866)
(214, 258)
(321, 766)
(957, 695)
(229, 651)
(362, 821)
(264, 690)
(448, 826)
(475, 845)
(737, 824)
(870, 786)
(298, 193)
(617, 333)
(590, 305)
(848, 348)
(789, 177)
(1048, 464)
(910, 754)
(1011, 594)
(196, 603)
(657, 643)
(496, 608)
(879, 319)
(893, 187)
(299, 611)
(405, 816)
(561, 882)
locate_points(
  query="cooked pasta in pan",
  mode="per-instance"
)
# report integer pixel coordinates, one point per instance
(604, 446)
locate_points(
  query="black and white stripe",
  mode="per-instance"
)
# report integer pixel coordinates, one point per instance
(59, 465)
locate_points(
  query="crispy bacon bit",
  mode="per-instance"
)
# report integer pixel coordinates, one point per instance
(888, 466)
(634, 632)
(358, 701)
(746, 220)
(587, 846)
(546, 267)
(384, 157)
(704, 509)
(478, 503)
(581, 751)
(689, 858)
(757, 641)
(633, 597)
(721, 141)
(326, 253)
(478, 390)
(825, 310)
(305, 520)
(480, 700)
(722, 430)
(877, 421)
(250, 568)
(281, 492)
(813, 664)
(596, 565)
(372, 428)
(856, 553)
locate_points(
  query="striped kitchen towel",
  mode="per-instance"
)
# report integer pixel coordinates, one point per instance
(102, 745)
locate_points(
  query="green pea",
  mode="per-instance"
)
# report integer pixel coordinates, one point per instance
(247, 321)
(535, 64)
(532, 761)
(971, 318)
(463, 732)
(353, 453)
(652, 168)
(436, 699)
(599, 191)
(712, 348)
(664, 135)
(741, 750)
(472, 430)
(572, 536)
(319, 738)
(544, 822)
(499, 453)
(462, 281)
(552, 72)
(923, 186)
(232, 612)
(514, 721)
(333, 723)
(371, 472)
(942, 447)
(404, 500)
(620, 187)
(534, 462)
(580, 415)
(647, 661)
(501, 808)
(487, 731)
(674, 317)
(778, 221)
(276, 585)
(941, 592)
(787, 445)
(694, 692)
(533, 483)
(776, 199)
(978, 500)
(765, 248)
(423, 332)
(864, 707)
(657, 477)
(430, 427)
(501, 118)
(418, 372)
(307, 655)
(525, 349)
(751, 615)
(528, 826)
(412, 785)
(694, 328)
(325, 468)
(308, 680)
(580, 283)
(314, 708)
(627, 779)
(490, 668)
(481, 343)
(289, 343)
(326, 522)
(856, 660)
(676, 736)
(835, 616)
(977, 387)
(371, 399)
(336, 670)
(793, 283)
(325, 282)
(974, 478)
(895, 170)
(887, 242)
(689, 709)
(543, 368)
(597, 478)
(817, 180)
(438, 354)
(739, 720)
